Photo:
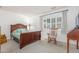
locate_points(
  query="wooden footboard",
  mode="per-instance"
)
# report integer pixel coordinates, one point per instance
(27, 38)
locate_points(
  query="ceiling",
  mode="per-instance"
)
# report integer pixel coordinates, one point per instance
(30, 10)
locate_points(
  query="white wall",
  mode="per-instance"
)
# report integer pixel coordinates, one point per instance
(71, 15)
(7, 18)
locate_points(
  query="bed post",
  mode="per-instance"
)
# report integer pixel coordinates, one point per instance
(10, 31)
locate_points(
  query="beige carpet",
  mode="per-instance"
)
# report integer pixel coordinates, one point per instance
(41, 46)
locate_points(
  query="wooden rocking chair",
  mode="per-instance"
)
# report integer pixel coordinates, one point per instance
(52, 35)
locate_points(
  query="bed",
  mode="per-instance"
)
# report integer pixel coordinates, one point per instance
(21, 35)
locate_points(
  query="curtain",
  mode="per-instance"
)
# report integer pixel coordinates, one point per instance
(77, 20)
(64, 22)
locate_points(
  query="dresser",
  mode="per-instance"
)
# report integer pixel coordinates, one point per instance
(73, 35)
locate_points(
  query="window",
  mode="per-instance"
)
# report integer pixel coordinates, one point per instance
(53, 23)
(56, 20)
(48, 20)
(48, 23)
(59, 23)
(53, 20)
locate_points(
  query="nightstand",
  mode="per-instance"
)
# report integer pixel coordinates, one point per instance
(3, 40)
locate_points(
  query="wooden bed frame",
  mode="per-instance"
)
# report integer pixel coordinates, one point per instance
(25, 38)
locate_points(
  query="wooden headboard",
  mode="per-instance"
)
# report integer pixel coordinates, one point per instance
(17, 26)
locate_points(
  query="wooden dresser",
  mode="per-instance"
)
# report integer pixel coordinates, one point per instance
(73, 35)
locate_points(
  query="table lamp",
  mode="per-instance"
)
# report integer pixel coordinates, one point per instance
(29, 26)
